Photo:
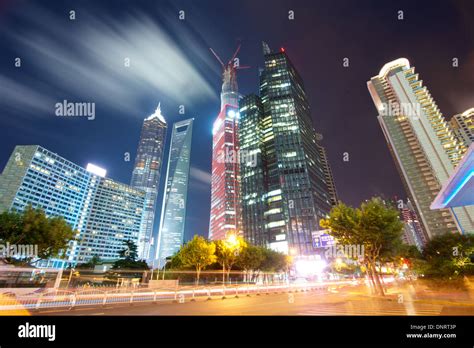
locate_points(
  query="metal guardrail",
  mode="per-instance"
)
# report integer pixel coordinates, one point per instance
(94, 297)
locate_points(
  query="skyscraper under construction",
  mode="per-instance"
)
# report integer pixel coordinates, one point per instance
(225, 216)
(287, 185)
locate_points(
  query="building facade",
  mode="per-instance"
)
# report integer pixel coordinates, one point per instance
(422, 144)
(463, 126)
(225, 214)
(413, 233)
(146, 175)
(284, 199)
(104, 213)
(173, 212)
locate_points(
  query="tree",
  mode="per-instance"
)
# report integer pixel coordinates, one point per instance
(51, 235)
(227, 251)
(95, 260)
(129, 257)
(250, 259)
(198, 253)
(375, 225)
(274, 261)
(129, 252)
(449, 256)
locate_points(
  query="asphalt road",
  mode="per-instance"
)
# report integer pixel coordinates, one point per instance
(341, 301)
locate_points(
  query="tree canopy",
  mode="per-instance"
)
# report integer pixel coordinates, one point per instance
(375, 226)
(31, 226)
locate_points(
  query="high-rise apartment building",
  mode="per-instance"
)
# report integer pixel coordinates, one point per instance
(422, 144)
(284, 188)
(173, 211)
(105, 213)
(463, 126)
(146, 174)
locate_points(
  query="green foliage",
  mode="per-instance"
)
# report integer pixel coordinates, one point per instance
(375, 225)
(33, 227)
(448, 256)
(129, 257)
(251, 258)
(227, 252)
(197, 253)
(94, 261)
(273, 261)
(129, 252)
(175, 262)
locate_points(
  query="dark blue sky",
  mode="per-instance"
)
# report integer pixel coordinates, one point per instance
(82, 60)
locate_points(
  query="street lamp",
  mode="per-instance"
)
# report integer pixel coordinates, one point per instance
(231, 245)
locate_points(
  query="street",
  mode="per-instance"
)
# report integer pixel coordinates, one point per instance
(335, 301)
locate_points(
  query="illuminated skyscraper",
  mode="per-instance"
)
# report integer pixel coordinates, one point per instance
(146, 174)
(225, 216)
(284, 179)
(173, 212)
(225, 189)
(422, 144)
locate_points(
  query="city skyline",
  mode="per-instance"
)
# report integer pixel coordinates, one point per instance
(347, 128)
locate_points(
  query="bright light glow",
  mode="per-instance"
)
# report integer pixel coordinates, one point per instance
(393, 64)
(92, 168)
(468, 112)
(158, 114)
(231, 113)
(310, 267)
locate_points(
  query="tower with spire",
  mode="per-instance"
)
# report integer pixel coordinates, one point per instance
(146, 175)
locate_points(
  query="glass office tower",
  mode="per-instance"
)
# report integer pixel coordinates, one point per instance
(173, 212)
(287, 194)
(421, 142)
(105, 213)
(146, 174)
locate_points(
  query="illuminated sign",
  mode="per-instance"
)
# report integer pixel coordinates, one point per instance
(92, 168)
(321, 239)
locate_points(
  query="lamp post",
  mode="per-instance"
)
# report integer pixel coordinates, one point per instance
(232, 245)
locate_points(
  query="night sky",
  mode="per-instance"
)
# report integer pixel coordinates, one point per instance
(82, 60)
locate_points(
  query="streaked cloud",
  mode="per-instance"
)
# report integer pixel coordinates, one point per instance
(87, 60)
(200, 175)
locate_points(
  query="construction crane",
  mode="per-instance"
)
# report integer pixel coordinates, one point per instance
(230, 92)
